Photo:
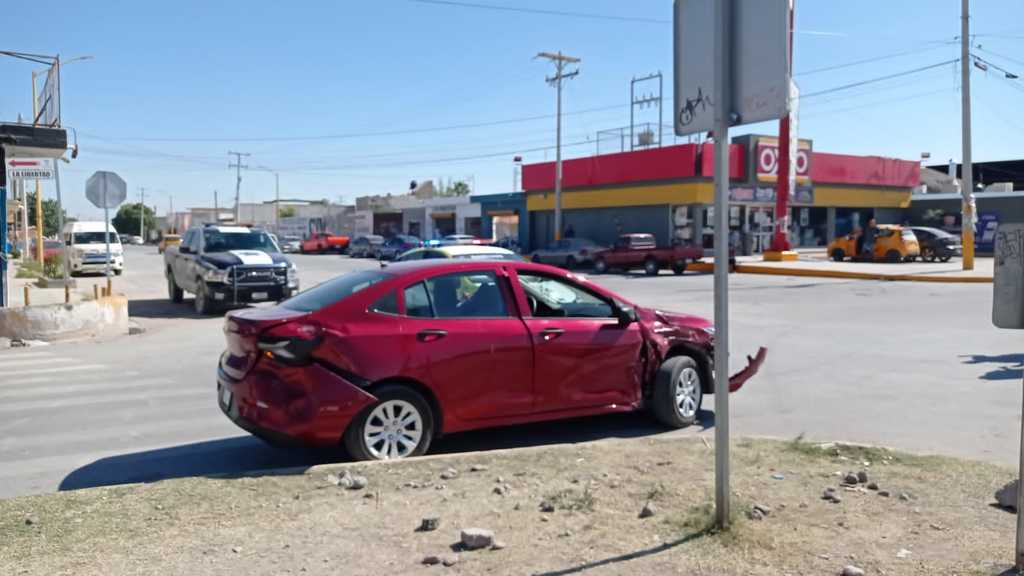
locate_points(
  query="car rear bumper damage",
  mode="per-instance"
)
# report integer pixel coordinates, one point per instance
(737, 380)
(307, 405)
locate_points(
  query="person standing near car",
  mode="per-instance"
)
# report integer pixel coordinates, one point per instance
(870, 233)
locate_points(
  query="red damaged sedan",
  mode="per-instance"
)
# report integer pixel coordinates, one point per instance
(384, 361)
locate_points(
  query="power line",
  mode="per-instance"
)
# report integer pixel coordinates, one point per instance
(871, 60)
(878, 79)
(350, 135)
(1004, 57)
(592, 16)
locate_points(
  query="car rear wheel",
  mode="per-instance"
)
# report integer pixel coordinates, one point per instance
(399, 425)
(679, 267)
(892, 256)
(678, 392)
(945, 258)
(651, 267)
(173, 292)
(600, 266)
(838, 255)
(927, 255)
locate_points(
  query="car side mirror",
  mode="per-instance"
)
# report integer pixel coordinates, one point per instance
(626, 315)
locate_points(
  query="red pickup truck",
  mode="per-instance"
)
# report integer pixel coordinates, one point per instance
(641, 251)
(320, 242)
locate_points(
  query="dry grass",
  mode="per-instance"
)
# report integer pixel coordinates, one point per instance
(301, 525)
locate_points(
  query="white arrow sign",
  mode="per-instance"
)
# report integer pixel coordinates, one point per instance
(22, 169)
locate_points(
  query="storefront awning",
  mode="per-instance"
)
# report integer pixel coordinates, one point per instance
(502, 212)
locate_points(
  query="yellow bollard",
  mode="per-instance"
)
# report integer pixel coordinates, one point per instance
(67, 294)
(110, 287)
(95, 291)
(27, 303)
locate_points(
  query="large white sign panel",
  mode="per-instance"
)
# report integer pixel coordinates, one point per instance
(760, 63)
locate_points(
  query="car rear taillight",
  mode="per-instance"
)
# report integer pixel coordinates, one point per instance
(291, 343)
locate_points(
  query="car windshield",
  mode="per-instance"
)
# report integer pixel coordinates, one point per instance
(334, 290)
(217, 241)
(93, 238)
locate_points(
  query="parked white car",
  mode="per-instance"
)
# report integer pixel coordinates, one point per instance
(86, 249)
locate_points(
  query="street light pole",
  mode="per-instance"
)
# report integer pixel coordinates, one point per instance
(277, 204)
(39, 196)
(560, 60)
(142, 213)
(966, 167)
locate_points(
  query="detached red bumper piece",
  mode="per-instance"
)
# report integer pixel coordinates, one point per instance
(737, 380)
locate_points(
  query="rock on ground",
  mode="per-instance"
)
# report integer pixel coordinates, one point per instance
(476, 538)
(852, 570)
(648, 510)
(1007, 495)
(429, 524)
(431, 560)
(449, 474)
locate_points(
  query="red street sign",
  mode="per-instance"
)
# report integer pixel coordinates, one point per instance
(16, 163)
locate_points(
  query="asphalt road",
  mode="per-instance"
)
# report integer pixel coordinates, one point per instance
(914, 366)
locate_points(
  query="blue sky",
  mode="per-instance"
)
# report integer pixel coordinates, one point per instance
(191, 75)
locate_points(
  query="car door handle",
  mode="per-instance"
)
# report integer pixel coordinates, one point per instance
(549, 334)
(430, 335)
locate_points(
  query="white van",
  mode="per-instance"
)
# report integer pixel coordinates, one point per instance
(86, 248)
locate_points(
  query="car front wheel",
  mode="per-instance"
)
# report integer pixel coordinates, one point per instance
(651, 267)
(203, 302)
(399, 425)
(600, 266)
(173, 292)
(838, 255)
(678, 392)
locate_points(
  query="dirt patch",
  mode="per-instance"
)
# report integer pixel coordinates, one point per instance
(556, 510)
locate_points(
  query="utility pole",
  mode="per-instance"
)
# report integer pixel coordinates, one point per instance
(277, 204)
(966, 167)
(39, 196)
(170, 212)
(560, 60)
(216, 209)
(142, 213)
(238, 166)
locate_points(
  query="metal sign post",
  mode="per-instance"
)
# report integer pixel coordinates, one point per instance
(747, 81)
(106, 190)
(1008, 312)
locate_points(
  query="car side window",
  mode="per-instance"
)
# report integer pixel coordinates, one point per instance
(416, 255)
(417, 303)
(467, 295)
(551, 297)
(433, 254)
(386, 304)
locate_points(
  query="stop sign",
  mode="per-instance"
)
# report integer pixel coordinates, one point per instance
(106, 189)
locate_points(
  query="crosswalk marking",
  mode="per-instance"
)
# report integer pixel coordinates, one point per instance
(78, 388)
(18, 356)
(140, 398)
(34, 371)
(34, 362)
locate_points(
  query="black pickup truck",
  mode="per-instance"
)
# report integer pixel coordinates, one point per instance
(228, 265)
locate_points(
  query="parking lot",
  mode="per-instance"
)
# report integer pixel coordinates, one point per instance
(915, 366)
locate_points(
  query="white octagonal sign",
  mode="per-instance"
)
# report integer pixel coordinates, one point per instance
(106, 189)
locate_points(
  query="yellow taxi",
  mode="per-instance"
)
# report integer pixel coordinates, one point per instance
(168, 240)
(892, 244)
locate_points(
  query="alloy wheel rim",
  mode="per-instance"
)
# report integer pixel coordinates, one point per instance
(687, 392)
(394, 429)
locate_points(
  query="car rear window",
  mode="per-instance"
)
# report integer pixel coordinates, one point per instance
(334, 290)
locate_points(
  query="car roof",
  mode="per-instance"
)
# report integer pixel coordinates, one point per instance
(231, 229)
(464, 250)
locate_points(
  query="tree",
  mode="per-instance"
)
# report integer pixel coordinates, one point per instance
(51, 221)
(127, 219)
(286, 211)
(460, 188)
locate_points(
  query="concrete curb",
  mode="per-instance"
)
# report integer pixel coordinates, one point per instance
(106, 316)
(819, 273)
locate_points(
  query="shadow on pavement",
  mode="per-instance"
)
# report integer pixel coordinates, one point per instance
(242, 455)
(626, 557)
(161, 308)
(247, 455)
(632, 425)
(1012, 369)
